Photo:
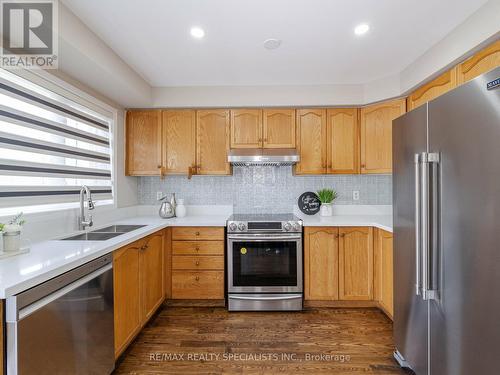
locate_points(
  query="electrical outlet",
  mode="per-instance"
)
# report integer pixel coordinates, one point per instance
(355, 195)
(159, 195)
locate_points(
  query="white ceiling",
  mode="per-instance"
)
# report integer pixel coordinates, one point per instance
(319, 46)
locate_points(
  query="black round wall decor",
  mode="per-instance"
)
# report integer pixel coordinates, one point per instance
(309, 203)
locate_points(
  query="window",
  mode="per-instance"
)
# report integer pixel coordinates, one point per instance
(49, 147)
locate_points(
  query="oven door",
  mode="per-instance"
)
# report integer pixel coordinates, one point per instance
(265, 263)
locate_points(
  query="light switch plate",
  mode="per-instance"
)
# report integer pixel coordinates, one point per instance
(355, 195)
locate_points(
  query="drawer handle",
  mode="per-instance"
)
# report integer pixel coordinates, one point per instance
(197, 263)
(197, 233)
(197, 278)
(197, 248)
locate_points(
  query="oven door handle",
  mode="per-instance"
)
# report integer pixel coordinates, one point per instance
(264, 298)
(258, 237)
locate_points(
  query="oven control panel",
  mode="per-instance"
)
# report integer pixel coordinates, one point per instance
(292, 226)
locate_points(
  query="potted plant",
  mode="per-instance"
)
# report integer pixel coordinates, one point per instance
(12, 233)
(326, 197)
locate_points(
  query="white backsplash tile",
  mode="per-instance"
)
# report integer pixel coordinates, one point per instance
(265, 189)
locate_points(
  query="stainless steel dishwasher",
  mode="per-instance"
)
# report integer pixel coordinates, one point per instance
(65, 325)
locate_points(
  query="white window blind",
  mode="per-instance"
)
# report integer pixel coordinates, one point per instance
(50, 147)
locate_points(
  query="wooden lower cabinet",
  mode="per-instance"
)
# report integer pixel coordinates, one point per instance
(356, 263)
(321, 264)
(152, 275)
(198, 263)
(139, 288)
(338, 264)
(384, 271)
(197, 284)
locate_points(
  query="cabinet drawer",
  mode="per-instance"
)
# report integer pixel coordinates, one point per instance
(194, 262)
(197, 285)
(198, 247)
(198, 233)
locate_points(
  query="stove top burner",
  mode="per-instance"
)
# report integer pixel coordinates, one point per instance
(264, 217)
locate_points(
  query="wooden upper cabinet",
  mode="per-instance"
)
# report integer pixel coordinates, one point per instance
(321, 263)
(384, 271)
(143, 149)
(279, 128)
(179, 141)
(356, 263)
(152, 273)
(376, 135)
(431, 90)
(343, 141)
(482, 62)
(212, 142)
(311, 141)
(246, 128)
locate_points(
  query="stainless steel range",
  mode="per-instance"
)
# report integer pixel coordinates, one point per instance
(264, 262)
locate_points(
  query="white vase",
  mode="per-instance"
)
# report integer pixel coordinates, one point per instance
(180, 209)
(326, 209)
(11, 241)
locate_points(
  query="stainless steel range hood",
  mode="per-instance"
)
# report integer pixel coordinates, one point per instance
(258, 156)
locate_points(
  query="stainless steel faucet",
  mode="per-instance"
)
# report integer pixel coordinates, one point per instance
(83, 221)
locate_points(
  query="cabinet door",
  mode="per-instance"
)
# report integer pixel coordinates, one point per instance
(356, 263)
(152, 273)
(143, 137)
(311, 141)
(212, 142)
(179, 141)
(321, 263)
(479, 63)
(343, 141)
(127, 296)
(384, 271)
(376, 135)
(279, 128)
(431, 90)
(246, 128)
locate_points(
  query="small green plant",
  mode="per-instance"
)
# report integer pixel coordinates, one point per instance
(18, 219)
(14, 224)
(326, 195)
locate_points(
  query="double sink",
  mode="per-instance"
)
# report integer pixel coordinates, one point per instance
(104, 234)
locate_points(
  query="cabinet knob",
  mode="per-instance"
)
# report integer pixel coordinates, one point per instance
(197, 233)
(197, 278)
(363, 166)
(197, 248)
(342, 235)
(197, 263)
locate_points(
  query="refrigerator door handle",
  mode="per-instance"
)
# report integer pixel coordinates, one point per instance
(418, 218)
(428, 218)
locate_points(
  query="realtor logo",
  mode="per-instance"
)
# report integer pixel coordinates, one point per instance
(29, 34)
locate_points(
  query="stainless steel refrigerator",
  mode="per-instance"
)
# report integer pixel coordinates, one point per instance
(446, 197)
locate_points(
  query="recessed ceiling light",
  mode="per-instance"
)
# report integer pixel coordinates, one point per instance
(272, 43)
(361, 29)
(197, 32)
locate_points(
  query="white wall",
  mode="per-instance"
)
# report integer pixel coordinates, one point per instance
(85, 57)
(479, 29)
(255, 96)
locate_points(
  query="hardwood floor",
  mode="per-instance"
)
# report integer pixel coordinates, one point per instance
(199, 340)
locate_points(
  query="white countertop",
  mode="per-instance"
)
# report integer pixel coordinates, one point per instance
(48, 259)
(378, 221)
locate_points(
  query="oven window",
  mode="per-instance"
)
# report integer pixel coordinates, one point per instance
(265, 263)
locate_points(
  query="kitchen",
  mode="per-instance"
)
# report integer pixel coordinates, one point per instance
(189, 193)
